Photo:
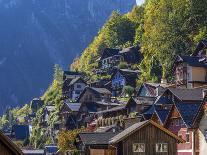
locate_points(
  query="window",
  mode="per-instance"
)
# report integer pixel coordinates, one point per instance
(187, 137)
(161, 147)
(78, 86)
(138, 147)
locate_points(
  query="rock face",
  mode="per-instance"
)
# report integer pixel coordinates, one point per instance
(36, 34)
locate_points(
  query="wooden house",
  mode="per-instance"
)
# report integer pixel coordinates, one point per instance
(68, 115)
(152, 89)
(111, 58)
(95, 143)
(122, 78)
(191, 71)
(7, 147)
(92, 94)
(147, 138)
(71, 75)
(74, 88)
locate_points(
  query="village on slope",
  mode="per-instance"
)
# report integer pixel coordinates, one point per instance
(111, 116)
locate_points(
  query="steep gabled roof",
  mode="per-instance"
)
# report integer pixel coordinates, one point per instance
(201, 45)
(138, 126)
(73, 81)
(101, 90)
(191, 60)
(96, 138)
(185, 94)
(7, 142)
(73, 106)
(188, 112)
(163, 114)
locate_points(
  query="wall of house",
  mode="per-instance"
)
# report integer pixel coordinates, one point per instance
(4, 150)
(198, 74)
(78, 88)
(149, 135)
(201, 131)
(118, 80)
(89, 96)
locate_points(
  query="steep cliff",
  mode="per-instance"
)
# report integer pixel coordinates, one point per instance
(36, 34)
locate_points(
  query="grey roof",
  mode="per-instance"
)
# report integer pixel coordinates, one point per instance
(127, 131)
(96, 138)
(135, 127)
(117, 108)
(101, 90)
(195, 94)
(74, 106)
(73, 81)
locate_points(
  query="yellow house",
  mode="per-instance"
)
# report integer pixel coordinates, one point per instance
(190, 71)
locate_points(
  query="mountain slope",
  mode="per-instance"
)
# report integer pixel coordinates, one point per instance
(36, 34)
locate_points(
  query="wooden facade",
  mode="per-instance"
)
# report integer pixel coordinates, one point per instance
(7, 147)
(148, 138)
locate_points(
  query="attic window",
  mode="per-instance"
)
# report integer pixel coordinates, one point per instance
(187, 137)
(138, 147)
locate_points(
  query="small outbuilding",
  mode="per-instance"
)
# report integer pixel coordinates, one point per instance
(147, 138)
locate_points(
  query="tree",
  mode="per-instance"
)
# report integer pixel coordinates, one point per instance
(58, 73)
(128, 91)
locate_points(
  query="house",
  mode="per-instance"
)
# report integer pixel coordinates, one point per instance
(92, 94)
(46, 113)
(201, 121)
(152, 89)
(95, 143)
(36, 104)
(7, 147)
(20, 132)
(190, 71)
(88, 111)
(122, 78)
(139, 104)
(71, 75)
(74, 88)
(68, 87)
(111, 58)
(147, 138)
(68, 115)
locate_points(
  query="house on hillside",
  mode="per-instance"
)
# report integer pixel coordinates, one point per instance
(122, 78)
(95, 143)
(111, 58)
(7, 147)
(68, 115)
(153, 89)
(147, 138)
(190, 71)
(71, 75)
(92, 94)
(74, 88)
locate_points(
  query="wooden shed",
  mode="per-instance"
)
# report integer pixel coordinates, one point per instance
(7, 147)
(146, 138)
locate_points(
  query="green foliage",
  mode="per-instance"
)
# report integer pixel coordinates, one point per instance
(117, 32)
(128, 91)
(123, 65)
